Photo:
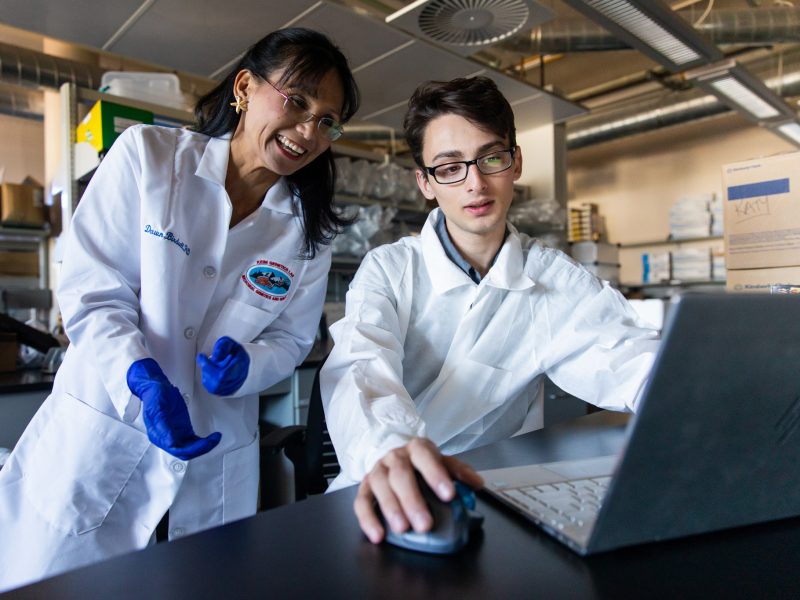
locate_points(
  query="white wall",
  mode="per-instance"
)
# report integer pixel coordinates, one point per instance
(635, 180)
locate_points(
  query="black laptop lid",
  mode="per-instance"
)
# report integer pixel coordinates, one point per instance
(715, 442)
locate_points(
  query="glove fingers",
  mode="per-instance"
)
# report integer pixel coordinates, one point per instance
(202, 361)
(197, 447)
(222, 348)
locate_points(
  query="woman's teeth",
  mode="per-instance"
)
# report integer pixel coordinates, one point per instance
(290, 146)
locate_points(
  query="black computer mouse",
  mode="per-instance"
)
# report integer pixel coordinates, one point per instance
(452, 522)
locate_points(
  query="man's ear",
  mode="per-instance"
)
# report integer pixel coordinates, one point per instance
(517, 163)
(424, 185)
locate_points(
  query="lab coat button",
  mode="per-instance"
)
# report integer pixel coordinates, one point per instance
(209, 271)
(188, 333)
(177, 532)
(178, 467)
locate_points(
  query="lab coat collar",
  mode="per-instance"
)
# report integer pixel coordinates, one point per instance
(213, 166)
(443, 272)
(508, 271)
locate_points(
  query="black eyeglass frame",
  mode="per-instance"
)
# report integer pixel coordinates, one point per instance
(468, 163)
(335, 129)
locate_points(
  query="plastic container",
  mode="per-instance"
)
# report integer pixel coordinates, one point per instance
(159, 88)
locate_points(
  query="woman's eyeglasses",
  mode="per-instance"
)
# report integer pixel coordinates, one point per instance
(297, 108)
(488, 164)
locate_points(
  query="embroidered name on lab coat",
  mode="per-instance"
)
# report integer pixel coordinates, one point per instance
(269, 279)
(168, 236)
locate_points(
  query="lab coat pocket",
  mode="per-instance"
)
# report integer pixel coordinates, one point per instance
(81, 463)
(240, 482)
(240, 321)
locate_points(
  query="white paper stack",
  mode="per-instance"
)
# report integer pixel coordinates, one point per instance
(718, 272)
(691, 264)
(655, 267)
(689, 217)
(717, 216)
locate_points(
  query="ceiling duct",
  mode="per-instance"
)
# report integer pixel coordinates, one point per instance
(467, 26)
(29, 68)
(754, 27)
(664, 108)
(23, 103)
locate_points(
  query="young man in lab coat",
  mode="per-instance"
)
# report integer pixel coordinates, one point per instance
(448, 336)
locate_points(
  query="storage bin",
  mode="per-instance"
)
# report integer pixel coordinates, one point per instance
(158, 88)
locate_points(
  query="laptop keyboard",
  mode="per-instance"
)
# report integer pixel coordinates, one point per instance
(568, 506)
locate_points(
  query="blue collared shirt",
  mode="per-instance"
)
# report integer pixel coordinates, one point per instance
(452, 252)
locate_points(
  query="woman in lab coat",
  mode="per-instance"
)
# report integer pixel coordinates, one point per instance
(194, 275)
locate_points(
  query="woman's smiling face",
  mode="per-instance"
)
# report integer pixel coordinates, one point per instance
(268, 136)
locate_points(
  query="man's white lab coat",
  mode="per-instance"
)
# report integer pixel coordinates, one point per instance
(424, 351)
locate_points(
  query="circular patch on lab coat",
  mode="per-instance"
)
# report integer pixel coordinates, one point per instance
(269, 279)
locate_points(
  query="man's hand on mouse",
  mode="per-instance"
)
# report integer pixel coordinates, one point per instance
(392, 484)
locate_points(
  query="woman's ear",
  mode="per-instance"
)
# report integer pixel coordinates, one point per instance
(242, 83)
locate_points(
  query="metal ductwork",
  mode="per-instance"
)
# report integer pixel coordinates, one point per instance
(32, 70)
(754, 27)
(22, 103)
(28, 68)
(665, 108)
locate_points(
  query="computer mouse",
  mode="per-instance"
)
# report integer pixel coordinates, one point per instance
(452, 522)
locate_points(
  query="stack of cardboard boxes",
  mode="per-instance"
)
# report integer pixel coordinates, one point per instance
(21, 205)
(762, 224)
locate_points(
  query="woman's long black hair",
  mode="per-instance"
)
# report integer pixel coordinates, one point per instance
(304, 55)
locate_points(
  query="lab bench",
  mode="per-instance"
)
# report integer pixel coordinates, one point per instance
(21, 394)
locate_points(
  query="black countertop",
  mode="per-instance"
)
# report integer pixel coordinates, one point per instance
(29, 380)
(34, 380)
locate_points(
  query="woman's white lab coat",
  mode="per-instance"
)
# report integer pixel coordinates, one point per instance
(151, 268)
(424, 351)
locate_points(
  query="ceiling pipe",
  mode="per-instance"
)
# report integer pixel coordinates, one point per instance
(754, 27)
(659, 111)
(29, 68)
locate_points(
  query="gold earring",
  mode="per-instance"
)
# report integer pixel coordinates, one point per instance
(240, 105)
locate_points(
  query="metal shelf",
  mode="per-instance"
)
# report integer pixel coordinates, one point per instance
(670, 242)
(168, 113)
(673, 283)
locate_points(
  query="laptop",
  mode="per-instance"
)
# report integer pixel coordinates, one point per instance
(715, 442)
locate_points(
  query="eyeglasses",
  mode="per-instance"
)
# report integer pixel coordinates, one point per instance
(488, 164)
(297, 108)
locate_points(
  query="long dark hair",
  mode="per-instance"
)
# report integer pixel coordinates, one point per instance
(304, 55)
(477, 99)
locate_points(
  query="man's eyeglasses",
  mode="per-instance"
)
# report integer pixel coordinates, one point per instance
(297, 108)
(488, 164)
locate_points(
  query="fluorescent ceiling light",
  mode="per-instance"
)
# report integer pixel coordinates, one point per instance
(744, 97)
(653, 28)
(743, 92)
(790, 130)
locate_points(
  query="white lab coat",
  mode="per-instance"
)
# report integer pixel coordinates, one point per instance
(424, 351)
(151, 268)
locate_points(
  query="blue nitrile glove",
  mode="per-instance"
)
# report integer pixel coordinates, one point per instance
(166, 417)
(225, 370)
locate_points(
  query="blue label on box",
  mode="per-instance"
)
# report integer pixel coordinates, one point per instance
(760, 188)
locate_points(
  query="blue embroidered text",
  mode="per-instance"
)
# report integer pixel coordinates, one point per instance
(169, 237)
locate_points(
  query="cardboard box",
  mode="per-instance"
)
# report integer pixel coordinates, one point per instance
(9, 349)
(21, 205)
(106, 120)
(19, 263)
(761, 280)
(762, 212)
